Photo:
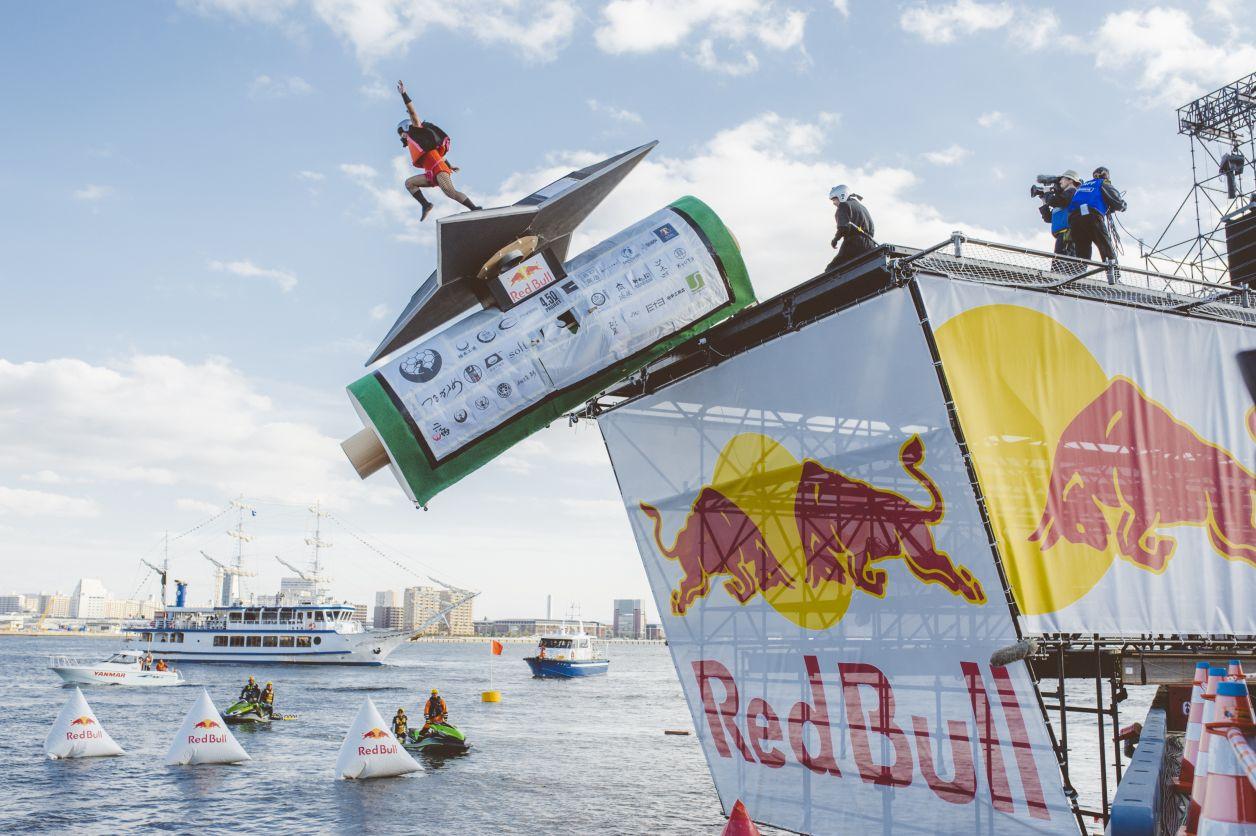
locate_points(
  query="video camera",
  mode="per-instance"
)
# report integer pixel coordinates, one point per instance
(1046, 187)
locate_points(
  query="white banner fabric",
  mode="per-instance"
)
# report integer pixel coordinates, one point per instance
(1114, 450)
(831, 602)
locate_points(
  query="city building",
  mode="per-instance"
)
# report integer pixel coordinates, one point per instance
(505, 627)
(627, 620)
(294, 590)
(654, 632)
(117, 608)
(12, 603)
(421, 604)
(51, 605)
(388, 614)
(359, 613)
(88, 599)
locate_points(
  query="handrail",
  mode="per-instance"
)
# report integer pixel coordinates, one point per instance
(1244, 752)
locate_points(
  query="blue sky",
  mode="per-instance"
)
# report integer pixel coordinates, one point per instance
(204, 232)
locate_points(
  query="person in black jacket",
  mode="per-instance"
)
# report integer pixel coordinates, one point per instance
(854, 227)
(1088, 210)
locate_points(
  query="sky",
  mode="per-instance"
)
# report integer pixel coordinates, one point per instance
(203, 233)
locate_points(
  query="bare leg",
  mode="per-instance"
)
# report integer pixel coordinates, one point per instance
(413, 186)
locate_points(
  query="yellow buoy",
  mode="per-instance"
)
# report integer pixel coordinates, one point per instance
(491, 696)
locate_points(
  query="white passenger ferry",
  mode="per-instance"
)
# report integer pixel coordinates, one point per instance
(303, 626)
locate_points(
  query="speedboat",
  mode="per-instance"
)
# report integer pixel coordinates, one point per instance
(439, 739)
(122, 668)
(567, 654)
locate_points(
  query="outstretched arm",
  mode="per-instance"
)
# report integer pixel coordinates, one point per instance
(405, 97)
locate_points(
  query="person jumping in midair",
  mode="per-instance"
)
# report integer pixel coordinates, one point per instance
(428, 145)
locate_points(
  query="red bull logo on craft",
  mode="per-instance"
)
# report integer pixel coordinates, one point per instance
(523, 274)
(82, 721)
(805, 536)
(206, 724)
(375, 733)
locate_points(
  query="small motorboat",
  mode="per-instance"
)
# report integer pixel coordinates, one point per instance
(438, 739)
(126, 667)
(567, 654)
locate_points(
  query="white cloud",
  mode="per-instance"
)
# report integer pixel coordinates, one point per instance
(947, 156)
(265, 87)
(311, 176)
(843, 7)
(392, 204)
(1173, 63)
(994, 119)
(641, 26)
(28, 503)
(200, 505)
(247, 269)
(784, 232)
(91, 193)
(618, 114)
(941, 23)
(380, 311)
(204, 427)
(377, 90)
(262, 11)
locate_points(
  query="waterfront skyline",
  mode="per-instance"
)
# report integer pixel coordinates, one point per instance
(241, 238)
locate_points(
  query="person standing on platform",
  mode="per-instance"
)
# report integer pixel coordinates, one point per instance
(1088, 212)
(1055, 212)
(854, 227)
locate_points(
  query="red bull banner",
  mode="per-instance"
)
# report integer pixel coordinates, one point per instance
(1114, 448)
(815, 550)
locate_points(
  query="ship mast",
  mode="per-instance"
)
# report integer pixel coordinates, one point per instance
(316, 566)
(240, 537)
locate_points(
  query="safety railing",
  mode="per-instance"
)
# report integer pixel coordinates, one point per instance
(1244, 752)
(987, 261)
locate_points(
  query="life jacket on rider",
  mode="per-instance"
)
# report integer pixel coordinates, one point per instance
(427, 145)
(400, 724)
(435, 710)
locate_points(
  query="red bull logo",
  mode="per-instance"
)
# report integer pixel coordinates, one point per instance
(805, 536)
(523, 274)
(375, 733)
(206, 724)
(1125, 468)
(82, 721)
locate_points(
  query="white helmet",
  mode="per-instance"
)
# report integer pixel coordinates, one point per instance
(840, 192)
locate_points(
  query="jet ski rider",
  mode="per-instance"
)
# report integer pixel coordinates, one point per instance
(401, 725)
(435, 711)
(250, 692)
(267, 700)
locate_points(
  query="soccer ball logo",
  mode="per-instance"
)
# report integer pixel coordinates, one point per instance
(420, 366)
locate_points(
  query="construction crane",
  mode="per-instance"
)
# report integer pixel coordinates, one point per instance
(226, 576)
(162, 570)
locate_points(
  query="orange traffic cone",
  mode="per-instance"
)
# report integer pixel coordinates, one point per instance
(1230, 804)
(1199, 787)
(739, 823)
(1235, 672)
(1194, 728)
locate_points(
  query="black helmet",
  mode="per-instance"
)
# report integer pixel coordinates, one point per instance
(403, 126)
(1100, 172)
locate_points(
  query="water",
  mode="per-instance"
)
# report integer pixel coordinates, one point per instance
(581, 756)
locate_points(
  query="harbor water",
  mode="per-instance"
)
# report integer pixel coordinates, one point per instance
(581, 756)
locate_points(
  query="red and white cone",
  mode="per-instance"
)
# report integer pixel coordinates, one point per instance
(1194, 728)
(1230, 804)
(1235, 671)
(1199, 787)
(739, 823)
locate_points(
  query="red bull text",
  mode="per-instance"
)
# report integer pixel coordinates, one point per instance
(1125, 467)
(759, 733)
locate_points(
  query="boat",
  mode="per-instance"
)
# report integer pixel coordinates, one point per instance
(566, 654)
(122, 668)
(239, 713)
(303, 626)
(439, 739)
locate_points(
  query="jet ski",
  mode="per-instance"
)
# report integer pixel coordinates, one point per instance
(245, 712)
(439, 739)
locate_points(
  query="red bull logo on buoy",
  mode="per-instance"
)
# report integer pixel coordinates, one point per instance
(805, 536)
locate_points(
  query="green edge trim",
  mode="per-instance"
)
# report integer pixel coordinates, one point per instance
(426, 482)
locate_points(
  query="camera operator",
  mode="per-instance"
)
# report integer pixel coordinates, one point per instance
(1089, 207)
(1055, 197)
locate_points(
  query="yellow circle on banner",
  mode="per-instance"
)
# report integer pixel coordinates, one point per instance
(1018, 377)
(761, 477)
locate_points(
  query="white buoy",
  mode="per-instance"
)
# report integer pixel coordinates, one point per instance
(371, 751)
(204, 738)
(78, 734)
